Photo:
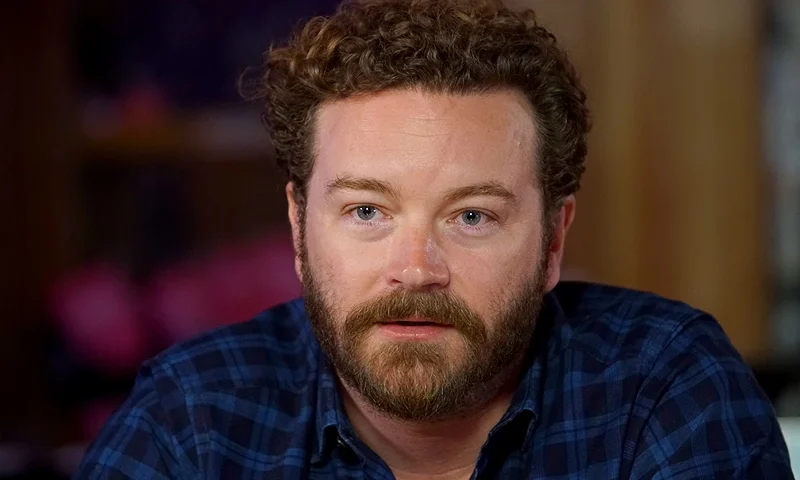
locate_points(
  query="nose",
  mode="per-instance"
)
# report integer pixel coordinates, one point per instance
(417, 261)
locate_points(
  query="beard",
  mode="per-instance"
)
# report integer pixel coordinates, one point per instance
(425, 380)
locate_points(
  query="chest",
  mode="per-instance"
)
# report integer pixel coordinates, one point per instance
(552, 460)
(564, 442)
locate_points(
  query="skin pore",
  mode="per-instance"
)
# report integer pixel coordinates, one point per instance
(426, 207)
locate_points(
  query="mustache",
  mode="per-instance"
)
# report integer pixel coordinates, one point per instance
(440, 307)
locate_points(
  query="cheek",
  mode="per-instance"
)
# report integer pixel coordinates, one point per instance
(348, 270)
(491, 277)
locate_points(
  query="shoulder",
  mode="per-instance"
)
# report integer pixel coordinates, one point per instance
(193, 389)
(662, 345)
(613, 323)
(697, 405)
(273, 349)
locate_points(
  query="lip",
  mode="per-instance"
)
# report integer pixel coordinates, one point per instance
(398, 330)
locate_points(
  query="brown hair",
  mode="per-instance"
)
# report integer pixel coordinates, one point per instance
(441, 46)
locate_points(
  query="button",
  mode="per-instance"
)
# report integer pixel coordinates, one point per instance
(347, 453)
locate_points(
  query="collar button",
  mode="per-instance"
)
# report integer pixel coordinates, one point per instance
(347, 454)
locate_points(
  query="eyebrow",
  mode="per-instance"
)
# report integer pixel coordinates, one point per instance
(362, 184)
(484, 189)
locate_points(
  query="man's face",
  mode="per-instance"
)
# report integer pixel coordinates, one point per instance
(423, 248)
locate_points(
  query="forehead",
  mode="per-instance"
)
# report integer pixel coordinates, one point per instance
(408, 135)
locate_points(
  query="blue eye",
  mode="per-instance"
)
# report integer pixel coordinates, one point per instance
(471, 217)
(366, 212)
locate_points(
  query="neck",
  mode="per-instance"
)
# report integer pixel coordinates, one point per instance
(446, 448)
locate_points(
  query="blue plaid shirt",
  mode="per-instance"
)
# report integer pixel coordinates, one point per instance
(619, 384)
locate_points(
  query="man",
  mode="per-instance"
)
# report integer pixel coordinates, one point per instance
(433, 149)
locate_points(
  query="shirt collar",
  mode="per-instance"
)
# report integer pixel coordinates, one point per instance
(327, 410)
(521, 415)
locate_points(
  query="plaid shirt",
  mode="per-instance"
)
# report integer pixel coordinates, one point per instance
(619, 384)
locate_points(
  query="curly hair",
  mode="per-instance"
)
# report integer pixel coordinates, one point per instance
(439, 46)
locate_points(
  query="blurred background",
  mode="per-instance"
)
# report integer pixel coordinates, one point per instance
(139, 203)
